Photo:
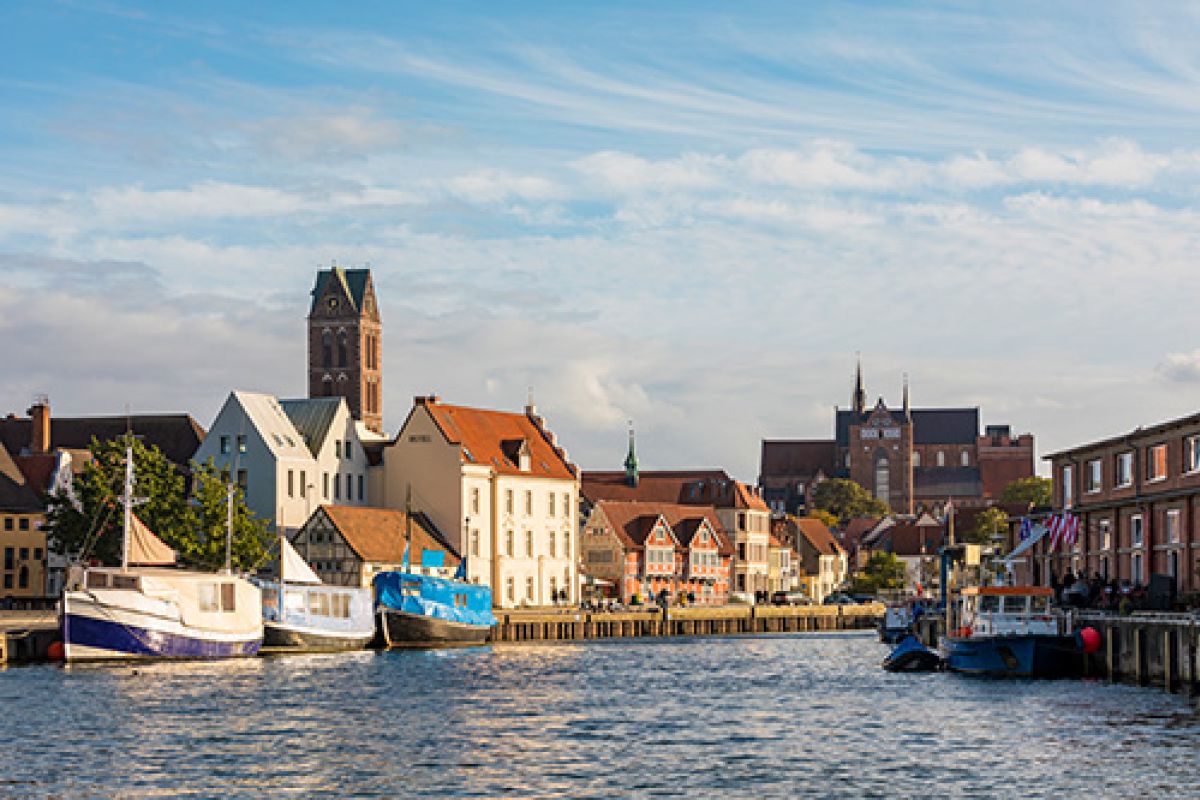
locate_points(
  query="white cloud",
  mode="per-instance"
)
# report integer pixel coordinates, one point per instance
(1181, 367)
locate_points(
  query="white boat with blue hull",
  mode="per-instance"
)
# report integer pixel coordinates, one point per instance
(314, 615)
(1012, 631)
(145, 610)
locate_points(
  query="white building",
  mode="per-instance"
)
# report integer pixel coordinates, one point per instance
(289, 456)
(499, 488)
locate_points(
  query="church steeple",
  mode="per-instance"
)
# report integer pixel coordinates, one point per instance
(907, 409)
(631, 461)
(860, 394)
(344, 342)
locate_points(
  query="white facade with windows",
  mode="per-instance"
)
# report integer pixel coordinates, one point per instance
(289, 456)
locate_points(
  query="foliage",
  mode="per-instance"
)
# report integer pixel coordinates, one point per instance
(195, 530)
(990, 522)
(883, 571)
(829, 520)
(99, 488)
(1032, 491)
(206, 546)
(845, 500)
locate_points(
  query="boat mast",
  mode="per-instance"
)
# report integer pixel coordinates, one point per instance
(128, 502)
(407, 527)
(229, 528)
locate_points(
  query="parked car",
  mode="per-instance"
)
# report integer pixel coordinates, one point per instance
(790, 599)
(741, 599)
(840, 599)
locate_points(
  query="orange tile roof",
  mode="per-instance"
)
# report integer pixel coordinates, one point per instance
(711, 487)
(818, 536)
(378, 534)
(632, 521)
(492, 438)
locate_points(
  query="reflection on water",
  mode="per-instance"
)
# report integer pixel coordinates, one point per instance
(808, 715)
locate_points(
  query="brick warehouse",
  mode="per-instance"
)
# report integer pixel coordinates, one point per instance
(1137, 497)
(907, 457)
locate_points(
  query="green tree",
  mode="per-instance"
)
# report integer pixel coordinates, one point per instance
(93, 529)
(883, 571)
(846, 500)
(1033, 491)
(250, 541)
(990, 523)
(827, 519)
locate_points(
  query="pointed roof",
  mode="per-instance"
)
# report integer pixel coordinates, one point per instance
(266, 414)
(633, 521)
(312, 418)
(489, 438)
(15, 491)
(378, 534)
(818, 536)
(353, 282)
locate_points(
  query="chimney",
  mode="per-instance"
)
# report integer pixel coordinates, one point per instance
(423, 400)
(39, 417)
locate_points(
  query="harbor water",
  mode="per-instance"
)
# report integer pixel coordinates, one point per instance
(805, 715)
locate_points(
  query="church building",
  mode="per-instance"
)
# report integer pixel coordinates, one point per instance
(909, 458)
(344, 332)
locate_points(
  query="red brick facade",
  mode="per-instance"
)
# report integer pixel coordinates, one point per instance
(345, 343)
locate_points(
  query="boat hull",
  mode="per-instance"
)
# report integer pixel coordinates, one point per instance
(403, 629)
(1030, 656)
(892, 635)
(97, 631)
(291, 637)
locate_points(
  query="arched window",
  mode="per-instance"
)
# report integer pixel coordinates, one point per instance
(343, 349)
(327, 349)
(882, 478)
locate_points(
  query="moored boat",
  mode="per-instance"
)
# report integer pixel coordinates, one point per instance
(146, 610)
(302, 613)
(1012, 631)
(910, 655)
(423, 610)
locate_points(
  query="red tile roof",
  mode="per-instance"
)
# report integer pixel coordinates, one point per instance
(709, 487)
(493, 437)
(818, 536)
(633, 521)
(378, 534)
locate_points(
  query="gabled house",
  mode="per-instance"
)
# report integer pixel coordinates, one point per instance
(500, 488)
(350, 545)
(288, 456)
(916, 541)
(820, 557)
(642, 549)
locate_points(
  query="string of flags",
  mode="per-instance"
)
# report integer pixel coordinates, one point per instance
(1062, 528)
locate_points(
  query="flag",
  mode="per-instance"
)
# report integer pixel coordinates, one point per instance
(1026, 528)
(1055, 526)
(1070, 530)
(460, 574)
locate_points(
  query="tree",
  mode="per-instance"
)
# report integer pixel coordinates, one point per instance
(883, 571)
(846, 500)
(1032, 491)
(209, 507)
(827, 519)
(990, 523)
(93, 529)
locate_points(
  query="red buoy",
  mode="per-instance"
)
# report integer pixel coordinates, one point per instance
(56, 651)
(1090, 639)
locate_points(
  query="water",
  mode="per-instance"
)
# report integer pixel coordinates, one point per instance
(788, 716)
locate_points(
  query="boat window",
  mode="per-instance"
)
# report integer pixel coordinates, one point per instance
(318, 603)
(411, 588)
(124, 582)
(208, 597)
(1040, 605)
(97, 580)
(989, 603)
(342, 609)
(229, 597)
(1016, 605)
(460, 601)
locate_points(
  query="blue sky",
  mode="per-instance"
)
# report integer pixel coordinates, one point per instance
(691, 215)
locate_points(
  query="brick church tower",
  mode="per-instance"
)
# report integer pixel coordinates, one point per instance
(344, 332)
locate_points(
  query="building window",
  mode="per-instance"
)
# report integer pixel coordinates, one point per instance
(337, 487)
(510, 590)
(343, 350)
(1156, 463)
(1135, 564)
(1136, 530)
(23, 524)
(243, 480)
(883, 473)
(1191, 452)
(10, 558)
(741, 520)
(241, 443)
(325, 485)
(553, 589)
(566, 544)
(303, 486)
(224, 445)
(327, 349)
(475, 542)
(916, 460)
(1173, 526)
(941, 458)
(528, 503)
(1124, 476)
(1068, 488)
(553, 545)
(291, 483)
(508, 500)
(529, 589)
(550, 504)
(508, 543)
(349, 487)
(966, 458)
(529, 544)
(362, 494)
(8, 523)
(475, 500)
(1093, 475)
(1105, 534)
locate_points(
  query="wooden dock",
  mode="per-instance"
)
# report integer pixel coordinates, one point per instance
(25, 636)
(574, 625)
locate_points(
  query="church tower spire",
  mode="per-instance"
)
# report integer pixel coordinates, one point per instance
(907, 409)
(860, 394)
(344, 343)
(631, 461)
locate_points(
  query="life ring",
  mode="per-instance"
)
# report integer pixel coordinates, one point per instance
(964, 632)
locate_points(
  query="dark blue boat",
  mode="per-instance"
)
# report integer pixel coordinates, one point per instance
(912, 656)
(1012, 631)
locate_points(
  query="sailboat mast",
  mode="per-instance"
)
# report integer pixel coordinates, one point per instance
(407, 527)
(229, 528)
(128, 502)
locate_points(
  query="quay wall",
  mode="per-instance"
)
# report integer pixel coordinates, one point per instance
(540, 626)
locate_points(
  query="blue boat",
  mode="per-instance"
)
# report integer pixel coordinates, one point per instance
(912, 656)
(422, 610)
(1012, 631)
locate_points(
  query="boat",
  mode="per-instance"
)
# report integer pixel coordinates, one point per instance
(144, 609)
(1012, 631)
(898, 619)
(313, 615)
(912, 656)
(423, 610)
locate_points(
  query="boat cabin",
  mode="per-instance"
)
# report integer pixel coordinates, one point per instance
(1008, 611)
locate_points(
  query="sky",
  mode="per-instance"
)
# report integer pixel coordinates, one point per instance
(689, 215)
